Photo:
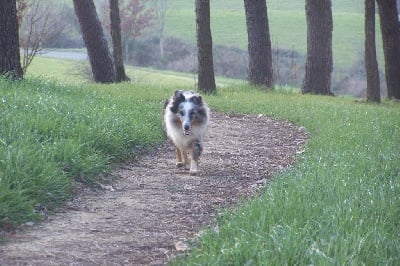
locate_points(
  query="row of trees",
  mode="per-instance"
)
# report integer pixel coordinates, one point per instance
(390, 28)
(319, 63)
(318, 67)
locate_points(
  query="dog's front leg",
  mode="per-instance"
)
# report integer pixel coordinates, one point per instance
(194, 167)
(195, 153)
(182, 159)
(186, 160)
(179, 161)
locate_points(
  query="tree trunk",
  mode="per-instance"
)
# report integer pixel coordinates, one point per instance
(96, 43)
(371, 64)
(161, 9)
(10, 64)
(161, 47)
(125, 43)
(206, 79)
(259, 43)
(390, 29)
(319, 64)
(115, 30)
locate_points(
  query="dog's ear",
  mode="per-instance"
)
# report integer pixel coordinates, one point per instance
(176, 100)
(166, 102)
(197, 99)
(178, 94)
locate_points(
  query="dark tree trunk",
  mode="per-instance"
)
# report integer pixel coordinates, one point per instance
(10, 64)
(115, 28)
(96, 43)
(206, 79)
(319, 64)
(390, 29)
(259, 43)
(371, 64)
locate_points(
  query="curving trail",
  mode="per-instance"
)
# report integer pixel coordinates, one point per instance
(153, 208)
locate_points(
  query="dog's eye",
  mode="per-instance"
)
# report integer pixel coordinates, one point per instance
(182, 113)
(192, 113)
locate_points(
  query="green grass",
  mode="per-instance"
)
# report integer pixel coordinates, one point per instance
(52, 135)
(60, 70)
(339, 205)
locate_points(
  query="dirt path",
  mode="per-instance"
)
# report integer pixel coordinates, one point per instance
(149, 213)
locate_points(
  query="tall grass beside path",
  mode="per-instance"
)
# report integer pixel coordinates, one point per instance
(339, 205)
(52, 135)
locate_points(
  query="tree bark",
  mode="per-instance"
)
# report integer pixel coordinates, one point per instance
(206, 79)
(319, 64)
(96, 43)
(115, 30)
(390, 29)
(371, 64)
(259, 43)
(10, 64)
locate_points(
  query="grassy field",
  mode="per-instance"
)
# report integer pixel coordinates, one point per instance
(70, 71)
(339, 205)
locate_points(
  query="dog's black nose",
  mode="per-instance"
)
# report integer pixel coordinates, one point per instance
(186, 127)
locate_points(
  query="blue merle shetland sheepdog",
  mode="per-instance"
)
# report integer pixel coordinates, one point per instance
(186, 118)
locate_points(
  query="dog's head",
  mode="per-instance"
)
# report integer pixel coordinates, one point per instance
(187, 105)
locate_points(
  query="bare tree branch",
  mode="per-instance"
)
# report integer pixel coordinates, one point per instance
(36, 28)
